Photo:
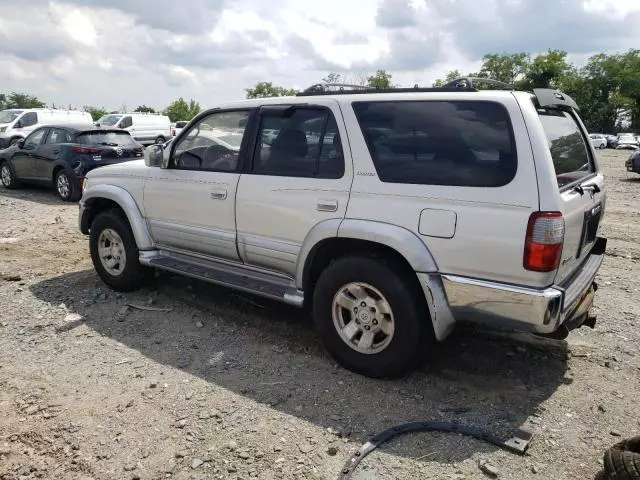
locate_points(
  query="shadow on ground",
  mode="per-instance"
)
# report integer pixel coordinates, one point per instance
(34, 193)
(269, 353)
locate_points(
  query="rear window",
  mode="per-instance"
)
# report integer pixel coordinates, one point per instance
(109, 119)
(455, 143)
(569, 150)
(105, 138)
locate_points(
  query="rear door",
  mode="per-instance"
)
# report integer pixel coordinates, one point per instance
(580, 183)
(48, 153)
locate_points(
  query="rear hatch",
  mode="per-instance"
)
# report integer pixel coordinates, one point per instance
(581, 186)
(108, 147)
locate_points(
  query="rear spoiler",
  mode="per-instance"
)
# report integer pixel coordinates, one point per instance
(549, 98)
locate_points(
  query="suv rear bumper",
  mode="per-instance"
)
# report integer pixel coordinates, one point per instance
(528, 309)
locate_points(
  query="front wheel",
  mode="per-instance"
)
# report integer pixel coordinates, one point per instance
(7, 176)
(159, 140)
(115, 254)
(371, 316)
(602, 146)
(66, 186)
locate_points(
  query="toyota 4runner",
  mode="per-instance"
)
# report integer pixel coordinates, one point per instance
(391, 214)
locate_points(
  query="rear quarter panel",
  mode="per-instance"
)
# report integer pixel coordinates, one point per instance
(490, 223)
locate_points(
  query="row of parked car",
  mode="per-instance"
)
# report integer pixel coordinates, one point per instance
(621, 141)
(59, 147)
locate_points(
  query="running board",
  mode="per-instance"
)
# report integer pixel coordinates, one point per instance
(237, 277)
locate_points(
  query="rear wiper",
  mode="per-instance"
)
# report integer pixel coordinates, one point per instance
(108, 144)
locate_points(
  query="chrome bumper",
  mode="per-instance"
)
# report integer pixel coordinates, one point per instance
(521, 308)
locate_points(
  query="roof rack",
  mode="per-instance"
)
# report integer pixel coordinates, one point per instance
(470, 82)
(346, 89)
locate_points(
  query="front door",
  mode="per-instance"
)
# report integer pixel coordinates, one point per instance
(190, 206)
(23, 158)
(300, 175)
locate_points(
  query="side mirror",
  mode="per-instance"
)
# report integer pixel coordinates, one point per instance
(154, 156)
(18, 124)
(20, 143)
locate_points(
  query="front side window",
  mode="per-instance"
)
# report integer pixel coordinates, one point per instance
(569, 151)
(454, 143)
(212, 143)
(126, 122)
(299, 142)
(109, 120)
(29, 119)
(33, 141)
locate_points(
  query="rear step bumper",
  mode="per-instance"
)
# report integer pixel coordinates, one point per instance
(540, 311)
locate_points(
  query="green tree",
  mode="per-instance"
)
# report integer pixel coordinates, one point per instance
(181, 110)
(451, 76)
(507, 68)
(144, 109)
(20, 100)
(95, 112)
(268, 89)
(380, 79)
(547, 70)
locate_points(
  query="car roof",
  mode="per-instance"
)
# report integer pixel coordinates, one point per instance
(84, 128)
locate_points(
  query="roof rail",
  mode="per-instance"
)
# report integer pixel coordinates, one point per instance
(346, 89)
(470, 82)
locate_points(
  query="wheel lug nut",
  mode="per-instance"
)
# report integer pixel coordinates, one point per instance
(375, 322)
(363, 304)
(367, 327)
(355, 309)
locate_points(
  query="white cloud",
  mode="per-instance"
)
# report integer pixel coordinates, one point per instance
(115, 52)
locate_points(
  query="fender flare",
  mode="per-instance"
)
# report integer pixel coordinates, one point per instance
(127, 204)
(402, 240)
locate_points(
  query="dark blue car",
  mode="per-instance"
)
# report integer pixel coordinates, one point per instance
(61, 156)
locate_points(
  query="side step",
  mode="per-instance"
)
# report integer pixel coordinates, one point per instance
(237, 277)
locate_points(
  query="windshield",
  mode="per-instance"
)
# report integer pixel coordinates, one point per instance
(109, 119)
(8, 116)
(106, 138)
(568, 148)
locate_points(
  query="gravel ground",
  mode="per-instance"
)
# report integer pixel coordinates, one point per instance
(221, 385)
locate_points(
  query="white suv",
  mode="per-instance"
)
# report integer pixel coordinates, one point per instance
(391, 214)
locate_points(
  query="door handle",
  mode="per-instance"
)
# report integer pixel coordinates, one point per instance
(219, 194)
(327, 205)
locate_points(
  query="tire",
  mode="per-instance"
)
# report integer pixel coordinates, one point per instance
(8, 176)
(602, 147)
(622, 461)
(66, 186)
(122, 278)
(159, 140)
(411, 330)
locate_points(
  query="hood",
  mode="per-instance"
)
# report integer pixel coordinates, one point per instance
(133, 168)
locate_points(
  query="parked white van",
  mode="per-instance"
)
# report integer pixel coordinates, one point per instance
(145, 128)
(16, 124)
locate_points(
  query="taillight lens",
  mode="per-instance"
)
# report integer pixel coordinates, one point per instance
(138, 149)
(173, 133)
(544, 240)
(86, 150)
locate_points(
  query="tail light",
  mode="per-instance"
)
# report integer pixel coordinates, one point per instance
(544, 240)
(173, 133)
(138, 149)
(86, 150)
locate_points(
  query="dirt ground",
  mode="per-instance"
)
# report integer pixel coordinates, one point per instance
(222, 385)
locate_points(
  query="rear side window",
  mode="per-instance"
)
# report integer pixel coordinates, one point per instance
(455, 143)
(569, 150)
(113, 139)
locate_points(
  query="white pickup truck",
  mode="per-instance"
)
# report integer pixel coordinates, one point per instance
(390, 214)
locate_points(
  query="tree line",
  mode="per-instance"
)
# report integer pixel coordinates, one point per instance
(607, 88)
(177, 110)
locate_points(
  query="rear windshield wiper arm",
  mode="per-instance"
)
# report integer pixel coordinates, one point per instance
(583, 188)
(108, 144)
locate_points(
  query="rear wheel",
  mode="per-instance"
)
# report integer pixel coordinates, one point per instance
(7, 176)
(371, 316)
(602, 146)
(159, 140)
(115, 254)
(66, 186)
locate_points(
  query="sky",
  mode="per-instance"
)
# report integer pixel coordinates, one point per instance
(125, 53)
